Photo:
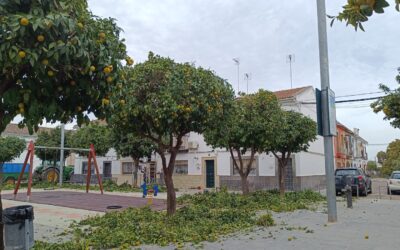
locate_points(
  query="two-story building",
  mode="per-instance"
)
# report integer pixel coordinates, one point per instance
(350, 148)
(199, 165)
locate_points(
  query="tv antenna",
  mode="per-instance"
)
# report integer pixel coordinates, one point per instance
(237, 62)
(290, 59)
(247, 77)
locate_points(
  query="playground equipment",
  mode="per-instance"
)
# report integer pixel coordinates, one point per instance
(29, 156)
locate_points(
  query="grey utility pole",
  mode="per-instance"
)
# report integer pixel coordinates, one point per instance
(328, 138)
(62, 155)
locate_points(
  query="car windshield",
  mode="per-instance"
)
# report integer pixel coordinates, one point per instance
(395, 176)
(346, 172)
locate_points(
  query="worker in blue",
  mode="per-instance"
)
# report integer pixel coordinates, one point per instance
(144, 187)
(155, 188)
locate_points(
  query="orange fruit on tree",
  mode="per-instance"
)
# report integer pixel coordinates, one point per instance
(122, 102)
(45, 62)
(40, 38)
(21, 105)
(102, 35)
(50, 73)
(21, 110)
(109, 79)
(24, 21)
(107, 70)
(78, 108)
(21, 54)
(92, 68)
(80, 25)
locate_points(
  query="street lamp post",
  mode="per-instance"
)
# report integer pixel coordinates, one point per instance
(328, 137)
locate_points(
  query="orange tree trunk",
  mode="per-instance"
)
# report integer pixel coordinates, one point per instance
(281, 179)
(171, 195)
(245, 184)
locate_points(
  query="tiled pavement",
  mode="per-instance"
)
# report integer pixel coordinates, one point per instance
(87, 201)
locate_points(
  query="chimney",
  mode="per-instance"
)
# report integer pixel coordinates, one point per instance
(356, 131)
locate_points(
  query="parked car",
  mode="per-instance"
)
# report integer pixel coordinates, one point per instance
(357, 177)
(394, 182)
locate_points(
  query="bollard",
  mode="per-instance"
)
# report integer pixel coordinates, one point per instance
(349, 196)
(150, 197)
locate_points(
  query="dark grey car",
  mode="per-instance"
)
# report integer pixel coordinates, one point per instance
(357, 178)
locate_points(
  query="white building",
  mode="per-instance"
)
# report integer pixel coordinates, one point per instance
(200, 166)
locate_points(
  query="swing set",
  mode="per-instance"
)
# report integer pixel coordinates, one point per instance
(30, 154)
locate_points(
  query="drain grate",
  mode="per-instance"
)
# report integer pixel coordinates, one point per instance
(114, 207)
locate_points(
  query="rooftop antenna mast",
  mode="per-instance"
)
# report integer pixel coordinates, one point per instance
(237, 62)
(247, 77)
(290, 59)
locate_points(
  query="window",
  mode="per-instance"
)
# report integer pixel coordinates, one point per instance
(181, 167)
(395, 176)
(253, 171)
(127, 167)
(85, 167)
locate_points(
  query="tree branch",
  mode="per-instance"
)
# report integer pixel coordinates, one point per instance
(233, 159)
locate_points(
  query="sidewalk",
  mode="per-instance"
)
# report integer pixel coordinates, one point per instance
(51, 221)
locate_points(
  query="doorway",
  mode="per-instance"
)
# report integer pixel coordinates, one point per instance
(107, 169)
(289, 177)
(210, 174)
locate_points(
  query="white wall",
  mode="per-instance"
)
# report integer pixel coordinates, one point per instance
(309, 164)
(111, 156)
(266, 165)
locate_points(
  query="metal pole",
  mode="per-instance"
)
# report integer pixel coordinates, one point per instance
(238, 77)
(328, 139)
(62, 155)
(290, 65)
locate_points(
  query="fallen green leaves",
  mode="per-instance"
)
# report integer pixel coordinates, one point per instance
(202, 217)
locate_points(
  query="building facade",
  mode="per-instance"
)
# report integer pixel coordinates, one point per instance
(350, 148)
(200, 166)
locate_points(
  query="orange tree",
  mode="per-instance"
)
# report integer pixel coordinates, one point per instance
(389, 104)
(127, 144)
(52, 138)
(294, 134)
(246, 129)
(356, 12)
(94, 133)
(167, 100)
(57, 61)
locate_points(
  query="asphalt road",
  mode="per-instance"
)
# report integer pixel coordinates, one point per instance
(379, 190)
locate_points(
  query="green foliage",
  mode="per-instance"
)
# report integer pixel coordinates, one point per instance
(128, 144)
(53, 56)
(10, 147)
(371, 166)
(203, 217)
(52, 138)
(94, 133)
(392, 161)
(381, 156)
(389, 104)
(247, 127)
(294, 133)
(265, 220)
(355, 12)
(169, 99)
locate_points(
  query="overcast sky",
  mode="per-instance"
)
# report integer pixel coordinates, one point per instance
(262, 34)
